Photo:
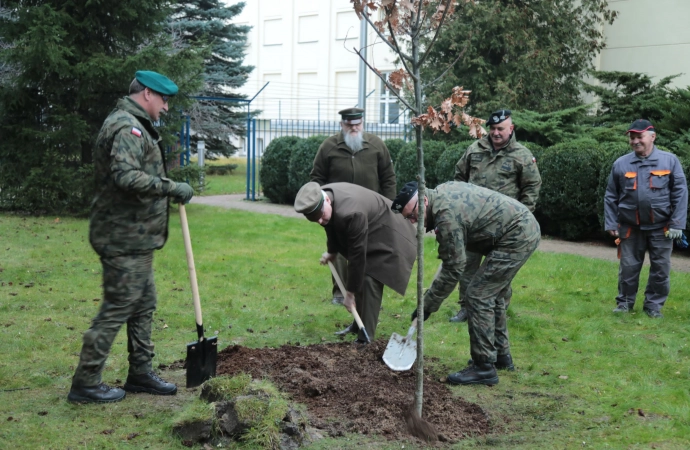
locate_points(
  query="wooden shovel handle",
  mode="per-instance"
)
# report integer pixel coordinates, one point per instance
(342, 289)
(192, 271)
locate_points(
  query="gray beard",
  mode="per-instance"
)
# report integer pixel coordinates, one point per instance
(354, 141)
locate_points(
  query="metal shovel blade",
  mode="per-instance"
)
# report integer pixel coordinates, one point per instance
(201, 361)
(400, 353)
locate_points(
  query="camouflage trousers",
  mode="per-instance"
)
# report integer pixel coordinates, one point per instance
(129, 296)
(472, 263)
(487, 289)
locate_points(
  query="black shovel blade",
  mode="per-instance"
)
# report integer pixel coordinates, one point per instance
(201, 361)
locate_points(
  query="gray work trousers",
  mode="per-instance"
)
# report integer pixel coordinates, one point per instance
(472, 263)
(632, 250)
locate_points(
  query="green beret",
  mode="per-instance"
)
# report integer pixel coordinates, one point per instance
(156, 82)
(352, 115)
(309, 199)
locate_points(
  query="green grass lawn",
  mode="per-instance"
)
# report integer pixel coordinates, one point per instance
(585, 378)
(234, 183)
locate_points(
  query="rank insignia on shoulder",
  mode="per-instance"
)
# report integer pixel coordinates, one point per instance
(136, 131)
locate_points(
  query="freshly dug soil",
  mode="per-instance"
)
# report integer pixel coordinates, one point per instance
(347, 388)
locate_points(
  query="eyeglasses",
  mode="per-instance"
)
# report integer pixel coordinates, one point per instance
(413, 215)
(165, 98)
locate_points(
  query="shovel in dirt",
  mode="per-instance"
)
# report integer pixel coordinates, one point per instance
(201, 355)
(354, 310)
(401, 352)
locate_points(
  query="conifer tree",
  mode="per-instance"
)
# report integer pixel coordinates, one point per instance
(73, 60)
(208, 21)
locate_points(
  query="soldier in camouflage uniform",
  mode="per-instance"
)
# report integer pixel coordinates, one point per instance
(471, 218)
(499, 163)
(129, 220)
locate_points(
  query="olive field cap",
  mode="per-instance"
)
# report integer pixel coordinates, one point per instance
(156, 82)
(309, 200)
(353, 116)
(498, 116)
(404, 196)
(641, 125)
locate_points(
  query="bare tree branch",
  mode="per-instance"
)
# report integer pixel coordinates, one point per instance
(418, 21)
(383, 38)
(462, 53)
(398, 51)
(438, 31)
(388, 85)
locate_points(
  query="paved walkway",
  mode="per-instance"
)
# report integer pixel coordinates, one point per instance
(598, 250)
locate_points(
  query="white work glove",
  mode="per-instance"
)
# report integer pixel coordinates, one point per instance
(327, 257)
(672, 233)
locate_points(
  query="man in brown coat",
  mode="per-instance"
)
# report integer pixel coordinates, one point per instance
(380, 246)
(353, 156)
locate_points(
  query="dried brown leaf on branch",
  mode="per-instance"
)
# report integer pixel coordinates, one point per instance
(442, 120)
(397, 78)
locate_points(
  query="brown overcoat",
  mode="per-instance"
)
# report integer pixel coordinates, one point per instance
(374, 240)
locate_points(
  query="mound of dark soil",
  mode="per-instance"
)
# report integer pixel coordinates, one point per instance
(348, 388)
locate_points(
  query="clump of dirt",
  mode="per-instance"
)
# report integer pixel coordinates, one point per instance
(347, 388)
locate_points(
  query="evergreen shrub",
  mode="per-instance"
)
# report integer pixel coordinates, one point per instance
(406, 165)
(570, 173)
(301, 164)
(445, 166)
(394, 146)
(274, 168)
(611, 152)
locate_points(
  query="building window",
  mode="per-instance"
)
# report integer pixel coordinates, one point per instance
(389, 108)
(308, 29)
(273, 32)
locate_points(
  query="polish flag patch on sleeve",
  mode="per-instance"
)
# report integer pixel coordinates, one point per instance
(136, 131)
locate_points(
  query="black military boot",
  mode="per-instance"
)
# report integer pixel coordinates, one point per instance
(149, 382)
(481, 373)
(461, 316)
(101, 393)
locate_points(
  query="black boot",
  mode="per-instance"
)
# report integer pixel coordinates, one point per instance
(151, 383)
(101, 393)
(461, 316)
(481, 373)
(352, 328)
(503, 362)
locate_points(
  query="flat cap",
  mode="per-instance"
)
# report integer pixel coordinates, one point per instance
(498, 116)
(156, 82)
(404, 196)
(309, 199)
(641, 125)
(353, 116)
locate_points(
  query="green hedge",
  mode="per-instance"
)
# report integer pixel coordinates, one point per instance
(406, 168)
(301, 163)
(273, 171)
(444, 169)
(394, 146)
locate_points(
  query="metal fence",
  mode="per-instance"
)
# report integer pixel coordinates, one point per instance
(263, 131)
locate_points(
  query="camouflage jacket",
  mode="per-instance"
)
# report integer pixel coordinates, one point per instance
(512, 170)
(465, 216)
(129, 213)
(370, 167)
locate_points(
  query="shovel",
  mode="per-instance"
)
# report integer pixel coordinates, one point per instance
(354, 310)
(401, 352)
(201, 355)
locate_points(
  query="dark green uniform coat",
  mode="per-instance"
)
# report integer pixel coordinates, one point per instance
(370, 167)
(129, 214)
(512, 170)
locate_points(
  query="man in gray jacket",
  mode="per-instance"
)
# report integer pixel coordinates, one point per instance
(645, 206)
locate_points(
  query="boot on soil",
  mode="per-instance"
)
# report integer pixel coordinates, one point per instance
(149, 383)
(101, 393)
(481, 373)
(503, 362)
(461, 316)
(352, 328)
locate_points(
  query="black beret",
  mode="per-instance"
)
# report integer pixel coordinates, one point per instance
(498, 116)
(404, 196)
